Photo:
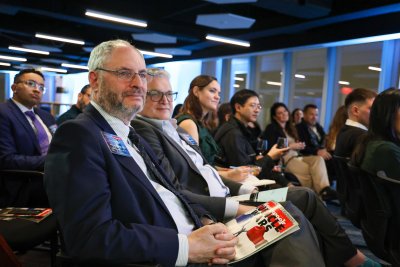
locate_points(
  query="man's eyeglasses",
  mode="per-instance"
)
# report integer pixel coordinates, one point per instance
(34, 84)
(255, 106)
(127, 75)
(156, 96)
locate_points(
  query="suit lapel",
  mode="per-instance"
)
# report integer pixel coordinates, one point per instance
(128, 163)
(23, 121)
(174, 144)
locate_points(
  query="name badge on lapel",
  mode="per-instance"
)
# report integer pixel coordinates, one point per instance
(115, 144)
(189, 139)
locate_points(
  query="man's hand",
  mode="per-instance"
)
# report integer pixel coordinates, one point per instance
(276, 153)
(237, 174)
(324, 154)
(212, 244)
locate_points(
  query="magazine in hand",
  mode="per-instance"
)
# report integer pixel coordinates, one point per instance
(30, 214)
(260, 228)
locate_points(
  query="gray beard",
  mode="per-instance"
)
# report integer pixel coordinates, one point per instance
(108, 100)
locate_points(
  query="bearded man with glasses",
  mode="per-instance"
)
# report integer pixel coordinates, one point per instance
(26, 132)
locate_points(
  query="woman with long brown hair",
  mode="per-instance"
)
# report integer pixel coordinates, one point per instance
(198, 113)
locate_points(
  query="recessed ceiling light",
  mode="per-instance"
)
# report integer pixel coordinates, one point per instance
(274, 83)
(60, 39)
(344, 82)
(155, 54)
(300, 76)
(239, 79)
(5, 64)
(53, 69)
(12, 58)
(227, 40)
(374, 68)
(236, 85)
(115, 18)
(28, 50)
(74, 66)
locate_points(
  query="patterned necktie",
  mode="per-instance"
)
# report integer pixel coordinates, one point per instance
(40, 133)
(157, 176)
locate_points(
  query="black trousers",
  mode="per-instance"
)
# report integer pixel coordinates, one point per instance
(336, 247)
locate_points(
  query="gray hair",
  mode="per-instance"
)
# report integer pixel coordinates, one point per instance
(157, 72)
(101, 52)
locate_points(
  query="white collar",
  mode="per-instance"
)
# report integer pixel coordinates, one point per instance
(356, 124)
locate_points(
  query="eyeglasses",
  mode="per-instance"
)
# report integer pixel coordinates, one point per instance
(157, 96)
(255, 106)
(34, 84)
(127, 75)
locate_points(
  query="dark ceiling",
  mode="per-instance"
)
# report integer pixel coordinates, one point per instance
(278, 24)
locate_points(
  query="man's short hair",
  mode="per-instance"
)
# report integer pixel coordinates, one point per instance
(157, 72)
(101, 52)
(359, 95)
(85, 88)
(241, 97)
(25, 71)
(308, 106)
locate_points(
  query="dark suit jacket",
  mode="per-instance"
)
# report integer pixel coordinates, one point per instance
(20, 150)
(106, 207)
(70, 114)
(181, 168)
(347, 139)
(19, 147)
(306, 135)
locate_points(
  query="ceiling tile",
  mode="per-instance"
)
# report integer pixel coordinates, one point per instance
(174, 51)
(225, 21)
(154, 38)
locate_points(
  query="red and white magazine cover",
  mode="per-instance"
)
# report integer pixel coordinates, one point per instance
(260, 228)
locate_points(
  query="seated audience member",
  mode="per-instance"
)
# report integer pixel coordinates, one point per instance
(380, 148)
(358, 105)
(154, 125)
(197, 118)
(25, 134)
(183, 160)
(75, 110)
(338, 121)
(236, 141)
(297, 115)
(312, 133)
(309, 170)
(123, 207)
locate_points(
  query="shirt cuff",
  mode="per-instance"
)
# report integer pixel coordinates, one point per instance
(231, 208)
(246, 189)
(183, 252)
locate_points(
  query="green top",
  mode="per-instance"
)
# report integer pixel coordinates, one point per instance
(382, 156)
(207, 145)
